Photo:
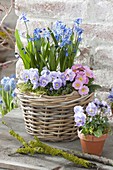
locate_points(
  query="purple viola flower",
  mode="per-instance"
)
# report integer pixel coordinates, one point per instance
(70, 75)
(25, 75)
(57, 83)
(91, 109)
(80, 119)
(43, 81)
(78, 109)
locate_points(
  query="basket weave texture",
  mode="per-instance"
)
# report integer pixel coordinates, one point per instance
(51, 118)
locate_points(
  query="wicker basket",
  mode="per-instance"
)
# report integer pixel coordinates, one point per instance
(51, 117)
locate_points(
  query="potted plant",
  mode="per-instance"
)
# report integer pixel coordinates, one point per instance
(110, 98)
(93, 125)
(51, 80)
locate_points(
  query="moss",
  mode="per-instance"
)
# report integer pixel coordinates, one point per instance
(36, 146)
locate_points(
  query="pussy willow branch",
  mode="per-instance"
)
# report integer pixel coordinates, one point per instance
(7, 12)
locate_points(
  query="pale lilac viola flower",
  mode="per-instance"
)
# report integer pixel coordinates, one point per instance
(70, 75)
(34, 77)
(110, 96)
(57, 83)
(104, 103)
(25, 75)
(107, 110)
(54, 75)
(80, 119)
(78, 109)
(36, 85)
(63, 78)
(97, 102)
(77, 84)
(43, 81)
(83, 90)
(91, 109)
(45, 71)
(33, 70)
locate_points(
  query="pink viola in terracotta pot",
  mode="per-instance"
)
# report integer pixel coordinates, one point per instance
(93, 125)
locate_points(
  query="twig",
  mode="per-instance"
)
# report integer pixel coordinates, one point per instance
(100, 159)
(3, 19)
(8, 62)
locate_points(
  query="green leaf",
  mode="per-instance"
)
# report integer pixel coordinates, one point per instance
(98, 133)
(25, 58)
(93, 87)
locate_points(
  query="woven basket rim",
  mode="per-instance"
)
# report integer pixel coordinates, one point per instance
(71, 95)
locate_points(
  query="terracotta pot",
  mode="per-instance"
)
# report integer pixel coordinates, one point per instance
(91, 144)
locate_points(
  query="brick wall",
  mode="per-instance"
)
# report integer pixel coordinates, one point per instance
(97, 18)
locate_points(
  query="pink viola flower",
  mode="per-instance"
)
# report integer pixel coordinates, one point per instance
(89, 73)
(70, 75)
(83, 90)
(76, 67)
(77, 84)
(87, 80)
(80, 76)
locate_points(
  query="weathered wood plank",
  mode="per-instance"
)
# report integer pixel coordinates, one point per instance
(19, 166)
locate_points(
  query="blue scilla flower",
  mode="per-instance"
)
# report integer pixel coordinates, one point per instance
(37, 32)
(23, 17)
(13, 76)
(31, 39)
(12, 83)
(78, 30)
(1, 101)
(78, 21)
(13, 94)
(4, 80)
(7, 87)
(46, 34)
